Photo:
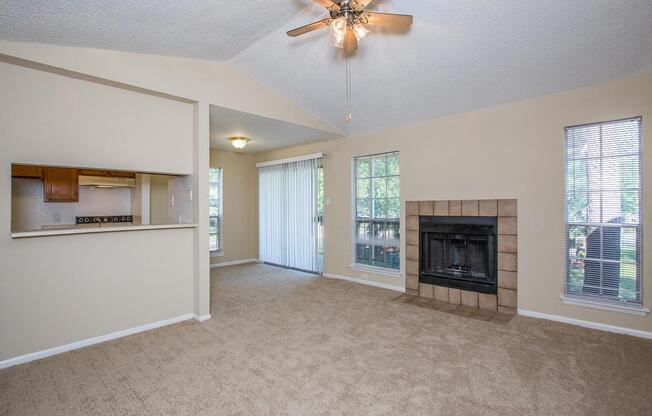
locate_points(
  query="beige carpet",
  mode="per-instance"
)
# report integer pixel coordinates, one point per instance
(286, 343)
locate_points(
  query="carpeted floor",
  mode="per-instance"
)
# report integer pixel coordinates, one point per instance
(286, 343)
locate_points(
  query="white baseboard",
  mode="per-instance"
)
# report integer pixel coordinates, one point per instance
(21, 359)
(365, 282)
(233, 263)
(201, 318)
(587, 324)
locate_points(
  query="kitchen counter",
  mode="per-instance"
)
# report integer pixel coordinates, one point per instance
(98, 229)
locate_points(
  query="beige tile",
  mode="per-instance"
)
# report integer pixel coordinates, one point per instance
(441, 293)
(404, 298)
(414, 292)
(412, 267)
(441, 208)
(483, 315)
(507, 225)
(412, 253)
(412, 208)
(454, 208)
(507, 261)
(412, 281)
(470, 208)
(505, 310)
(426, 291)
(507, 208)
(454, 296)
(412, 238)
(464, 310)
(507, 279)
(507, 243)
(488, 208)
(469, 298)
(488, 301)
(412, 223)
(426, 207)
(503, 317)
(506, 297)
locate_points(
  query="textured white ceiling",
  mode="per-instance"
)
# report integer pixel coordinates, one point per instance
(459, 55)
(207, 29)
(264, 133)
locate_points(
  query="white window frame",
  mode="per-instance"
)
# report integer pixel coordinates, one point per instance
(599, 301)
(220, 213)
(362, 267)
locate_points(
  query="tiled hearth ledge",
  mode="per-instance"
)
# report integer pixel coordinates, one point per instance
(506, 211)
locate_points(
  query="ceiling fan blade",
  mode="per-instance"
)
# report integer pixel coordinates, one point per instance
(359, 5)
(392, 21)
(329, 4)
(350, 42)
(309, 27)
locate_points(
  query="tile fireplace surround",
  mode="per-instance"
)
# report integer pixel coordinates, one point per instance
(506, 212)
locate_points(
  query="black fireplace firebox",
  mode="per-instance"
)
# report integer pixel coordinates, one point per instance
(459, 252)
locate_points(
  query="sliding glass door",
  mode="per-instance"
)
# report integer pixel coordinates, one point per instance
(290, 213)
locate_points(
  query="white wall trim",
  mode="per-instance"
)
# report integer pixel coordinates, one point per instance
(234, 263)
(365, 282)
(21, 359)
(290, 159)
(587, 324)
(201, 318)
(605, 306)
(383, 271)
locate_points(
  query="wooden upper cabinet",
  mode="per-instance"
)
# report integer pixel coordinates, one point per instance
(61, 185)
(26, 171)
(104, 172)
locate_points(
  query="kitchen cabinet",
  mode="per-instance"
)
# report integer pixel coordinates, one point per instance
(61, 185)
(26, 171)
(108, 173)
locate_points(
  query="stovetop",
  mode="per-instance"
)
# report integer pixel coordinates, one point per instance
(104, 219)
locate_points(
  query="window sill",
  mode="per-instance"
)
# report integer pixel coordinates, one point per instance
(605, 306)
(217, 253)
(376, 270)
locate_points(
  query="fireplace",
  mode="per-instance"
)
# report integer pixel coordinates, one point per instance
(459, 252)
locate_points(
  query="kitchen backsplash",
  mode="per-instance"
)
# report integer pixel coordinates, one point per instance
(29, 212)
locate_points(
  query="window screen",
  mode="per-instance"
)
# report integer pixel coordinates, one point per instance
(377, 207)
(603, 211)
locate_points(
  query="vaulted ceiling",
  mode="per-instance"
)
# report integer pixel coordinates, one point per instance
(458, 56)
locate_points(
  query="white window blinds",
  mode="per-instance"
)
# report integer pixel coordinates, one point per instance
(289, 214)
(604, 233)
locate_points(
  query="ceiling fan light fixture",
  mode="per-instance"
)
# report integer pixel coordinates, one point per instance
(338, 30)
(360, 31)
(239, 142)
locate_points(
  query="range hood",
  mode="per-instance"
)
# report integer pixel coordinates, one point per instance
(106, 182)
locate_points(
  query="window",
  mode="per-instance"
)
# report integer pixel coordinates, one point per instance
(215, 210)
(603, 211)
(377, 206)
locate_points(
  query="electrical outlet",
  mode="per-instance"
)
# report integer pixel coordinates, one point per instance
(189, 194)
(57, 218)
(364, 276)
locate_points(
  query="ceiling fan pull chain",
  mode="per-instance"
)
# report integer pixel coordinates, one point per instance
(349, 116)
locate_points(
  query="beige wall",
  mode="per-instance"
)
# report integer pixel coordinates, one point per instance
(507, 151)
(62, 289)
(240, 200)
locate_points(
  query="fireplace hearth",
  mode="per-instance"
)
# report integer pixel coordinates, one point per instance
(459, 252)
(463, 252)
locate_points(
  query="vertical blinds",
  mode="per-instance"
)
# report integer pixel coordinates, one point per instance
(288, 214)
(604, 233)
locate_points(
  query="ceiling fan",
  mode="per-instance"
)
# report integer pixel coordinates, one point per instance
(347, 22)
